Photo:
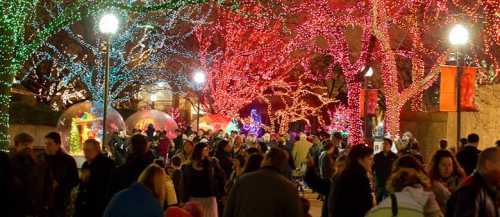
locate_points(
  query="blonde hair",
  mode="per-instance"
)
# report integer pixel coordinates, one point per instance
(154, 178)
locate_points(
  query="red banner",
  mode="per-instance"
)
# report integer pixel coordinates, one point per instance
(372, 101)
(447, 90)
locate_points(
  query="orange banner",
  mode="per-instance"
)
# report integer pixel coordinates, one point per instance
(447, 89)
(372, 101)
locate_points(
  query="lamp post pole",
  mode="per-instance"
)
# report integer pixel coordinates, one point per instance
(199, 78)
(367, 133)
(459, 96)
(107, 25)
(106, 89)
(458, 36)
(198, 113)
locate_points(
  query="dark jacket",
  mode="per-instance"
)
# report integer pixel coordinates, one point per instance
(30, 187)
(473, 199)
(351, 194)
(126, 174)
(382, 166)
(263, 193)
(320, 185)
(208, 182)
(64, 171)
(467, 158)
(94, 192)
(135, 201)
(5, 178)
(226, 163)
(176, 176)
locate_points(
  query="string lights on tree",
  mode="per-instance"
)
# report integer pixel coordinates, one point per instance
(17, 44)
(136, 56)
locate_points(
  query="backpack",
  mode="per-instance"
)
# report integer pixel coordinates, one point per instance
(393, 210)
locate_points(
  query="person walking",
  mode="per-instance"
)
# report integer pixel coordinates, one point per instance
(185, 153)
(64, 174)
(408, 197)
(351, 194)
(299, 153)
(266, 192)
(164, 145)
(446, 175)
(477, 196)
(223, 152)
(29, 185)
(382, 166)
(203, 180)
(137, 161)
(468, 156)
(145, 198)
(327, 158)
(94, 189)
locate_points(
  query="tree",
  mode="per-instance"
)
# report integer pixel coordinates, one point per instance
(17, 44)
(139, 50)
(75, 144)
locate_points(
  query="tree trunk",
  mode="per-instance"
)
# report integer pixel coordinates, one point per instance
(355, 124)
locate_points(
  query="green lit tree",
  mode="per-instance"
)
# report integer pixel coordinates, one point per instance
(74, 138)
(18, 43)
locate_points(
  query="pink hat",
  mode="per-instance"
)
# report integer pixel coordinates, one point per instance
(177, 212)
(193, 208)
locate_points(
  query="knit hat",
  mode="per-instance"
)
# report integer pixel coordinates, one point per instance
(177, 212)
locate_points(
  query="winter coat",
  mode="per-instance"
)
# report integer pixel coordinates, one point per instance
(5, 179)
(226, 163)
(135, 201)
(176, 176)
(320, 185)
(30, 186)
(382, 168)
(263, 193)
(127, 174)
(474, 198)
(300, 151)
(64, 171)
(351, 194)
(468, 158)
(326, 162)
(208, 182)
(94, 189)
(412, 201)
(442, 192)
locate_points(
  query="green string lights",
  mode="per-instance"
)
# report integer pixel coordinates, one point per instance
(15, 49)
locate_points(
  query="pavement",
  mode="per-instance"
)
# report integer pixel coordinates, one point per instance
(316, 204)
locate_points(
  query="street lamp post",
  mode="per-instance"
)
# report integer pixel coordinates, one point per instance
(458, 36)
(367, 76)
(107, 25)
(199, 78)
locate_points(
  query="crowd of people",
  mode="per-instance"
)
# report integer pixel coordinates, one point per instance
(205, 174)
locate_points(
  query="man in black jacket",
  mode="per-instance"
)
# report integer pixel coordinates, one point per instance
(266, 192)
(468, 156)
(93, 192)
(137, 160)
(477, 196)
(64, 174)
(382, 168)
(29, 187)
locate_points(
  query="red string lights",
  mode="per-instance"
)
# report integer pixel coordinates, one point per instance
(261, 48)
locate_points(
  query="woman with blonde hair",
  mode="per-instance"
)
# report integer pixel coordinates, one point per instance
(145, 198)
(409, 196)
